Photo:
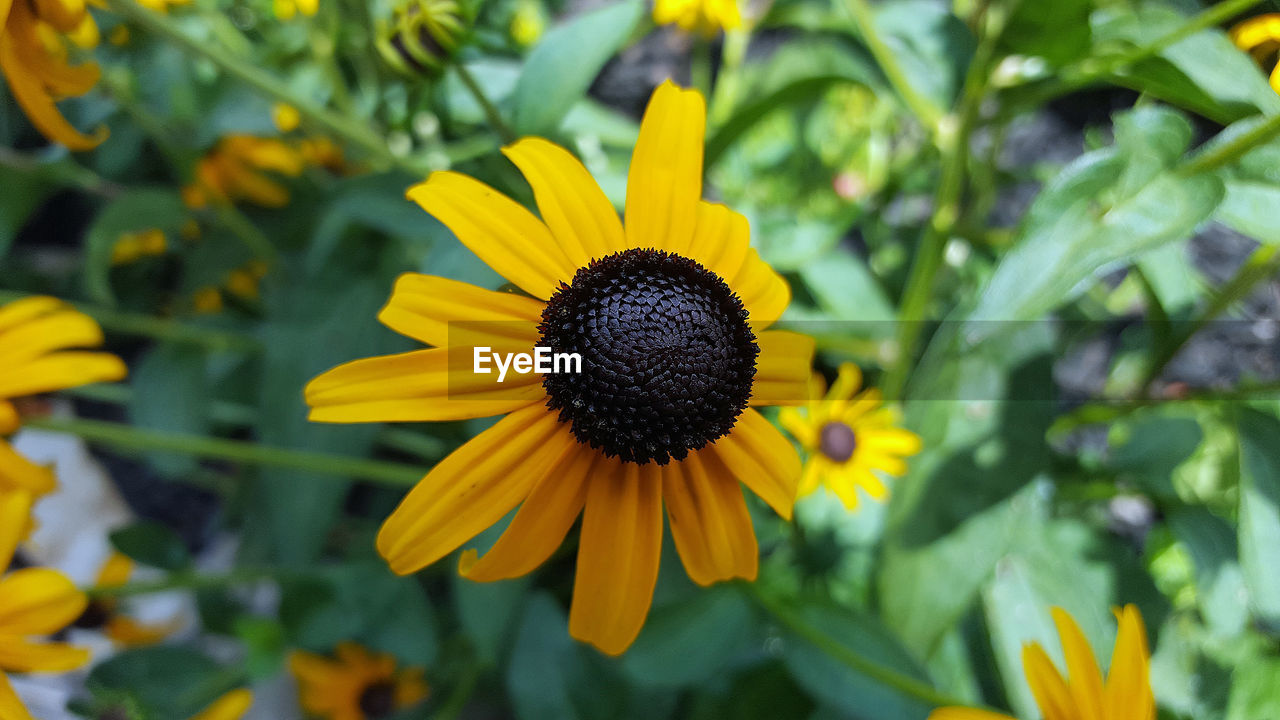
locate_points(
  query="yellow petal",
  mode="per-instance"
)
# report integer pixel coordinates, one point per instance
(38, 105)
(11, 708)
(811, 477)
(783, 368)
(38, 601)
(618, 556)
(55, 331)
(1256, 31)
(20, 311)
(762, 459)
(848, 380)
(1046, 684)
(959, 713)
(1128, 688)
(19, 655)
(448, 313)
(794, 421)
(664, 183)
(418, 386)
(19, 473)
(9, 419)
(473, 488)
(499, 231)
(763, 291)
(15, 514)
(890, 441)
(721, 239)
(231, 706)
(709, 520)
(1084, 679)
(62, 370)
(542, 522)
(572, 205)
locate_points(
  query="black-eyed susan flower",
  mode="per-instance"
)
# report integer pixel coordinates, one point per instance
(668, 314)
(355, 684)
(707, 17)
(133, 246)
(34, 58)
(34, 602)
(106, 616)
(236, 169)
(231, 706)
(849, 437)
(421, 35)
(1260, 37)
(1083, 694)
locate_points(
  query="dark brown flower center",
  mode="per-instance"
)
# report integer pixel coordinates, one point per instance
(378, 700)
(668, 358)
(837, 441)
(95, 616)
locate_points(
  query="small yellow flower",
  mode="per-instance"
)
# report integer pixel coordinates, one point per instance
(207, 300)
(528, 23)
(33, 602)
(288, 9)
(707, 17)
(104, 614)
(119, 35)
(1260, 37)
(33, 58)
(131, 247)
(849, 437)
(322, 152)
(243, 284)
(231, 706)
(236, 169)
(1083, 694)
(355, 684)
(286, 117)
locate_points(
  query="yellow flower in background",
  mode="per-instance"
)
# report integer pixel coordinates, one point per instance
(103, 614)
(236, 169)
(207, 300)
(34, 602)
(1260, 37)
(323, 153)
(231, 706)
(1083, 694)
(355, 684)
(33, 58)
(661, 411)
(131, 247)
(288, 9)
(285, 117)
(849, 437)
(528, 23)
(707, 17)
(162, 6)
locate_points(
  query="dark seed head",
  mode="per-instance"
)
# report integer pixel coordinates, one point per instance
(378, 700)
(668, 358)
(95, 615)
(837, 441)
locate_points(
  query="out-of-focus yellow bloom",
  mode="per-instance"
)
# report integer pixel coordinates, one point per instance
(162, 6)
(356, 684)
(231, 706)
(529, 23)
(207, 300)
(1260, 37)
(288, 9)
(849, 437)
(236, 169)
(119, 35)
(242, 284)
(104, 614)
(33, 602)
(33, 58)
(421, 36)
(136, 245)
(703, 16)
(285, 117)
(322, 152)
(1083, 695)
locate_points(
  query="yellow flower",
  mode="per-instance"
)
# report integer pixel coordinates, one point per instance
(231, 706)
(528, 23)
(234, 170)
(207, 300)
(287, 9)
(848, 437)
(356, 684)
(162, 6)
(33, 602)
(322, 152)
(286, 117)
(1260, 37)
(33, 58)
(104, 614)
(704, 16)
(131, 247)
(668, 315)
(1083, 695)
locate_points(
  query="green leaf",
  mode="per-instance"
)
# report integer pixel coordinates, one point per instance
(172, 393)
(845, 288)
(1249, 208)
(151, 543)
(1058, 32)
(376, 202)
(1220, 588)
(689, 641)
(165, 681)
(932, 45)
(567, 58)
(539, 675)
(21, 197)
(1260, 512)
(265, 645)
(133, 211)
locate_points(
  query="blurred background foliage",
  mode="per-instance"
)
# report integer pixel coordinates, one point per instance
(1049, 230)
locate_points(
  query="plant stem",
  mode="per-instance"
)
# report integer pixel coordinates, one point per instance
(794, 622)
(700, 71)
(924, 109)
(1228, 152)
(1103, 411)
(158, 328)
(136, 438)
(490, 110)
(350, 130)
(186, 580)
(64, 171)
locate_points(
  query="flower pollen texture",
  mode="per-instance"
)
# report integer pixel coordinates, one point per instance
(668, 357)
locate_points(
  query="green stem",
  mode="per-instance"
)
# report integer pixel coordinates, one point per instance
(186, 580)
(242, 227)
(135, 438)
(700, 66)
(64, 172)
(1103, 411)
(924, 109)
(461, 695)
(351, 131)
(490, 110)
(157, 328)
(793, 621)
(1228, 152)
